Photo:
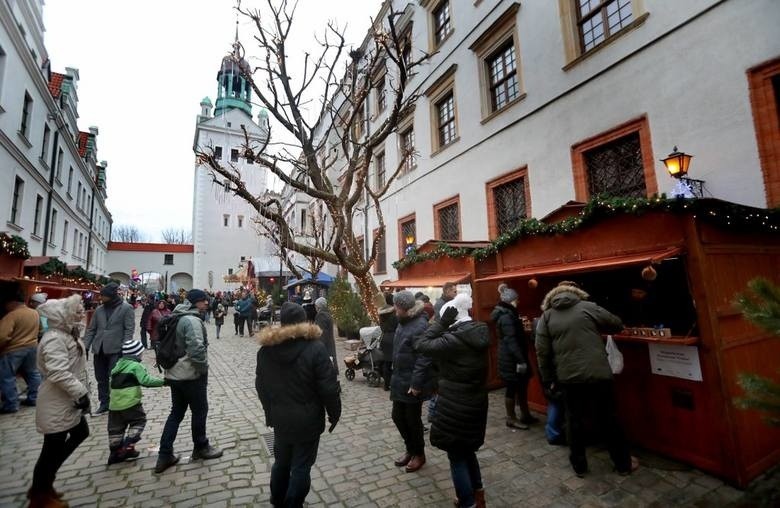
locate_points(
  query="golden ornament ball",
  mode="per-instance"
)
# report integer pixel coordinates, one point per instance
(649, 273)
(533, 283)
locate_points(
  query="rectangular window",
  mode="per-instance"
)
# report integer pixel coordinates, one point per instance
(226, 220)
(303, 222)
(407, 149)
(447, 220)
(241, 221)
(357, 126)
(53, 226)
(446, 118)
(78, 197)
(381, 95)
(508, 200)
(58, 174)
(597, 20)
(37, 218)
(764, 86)
(406, 46)
(168, 260)
(70, 180)
(442, 24)
(45, 142)
(16, 204)
(65, 235)
(81, 246)
(616, 169)
(380, 264)
(2, 68)
(502, 75)
(234, 155)
(218, 153)
(379, 164)
(407, 228)
(75, 241)
(26, 114)
(230, 271)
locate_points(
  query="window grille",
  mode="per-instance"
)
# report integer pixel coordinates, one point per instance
(616, 168)
(510, 205)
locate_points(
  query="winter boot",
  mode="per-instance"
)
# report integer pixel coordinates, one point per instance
(45, 499)
(511, 416)
(479, 497)
(130, 452)
(116, 456)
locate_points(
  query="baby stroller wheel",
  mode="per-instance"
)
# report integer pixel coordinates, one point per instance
(373, 379)
(350, 374)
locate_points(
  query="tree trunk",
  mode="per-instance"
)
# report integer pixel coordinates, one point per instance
(369, 294)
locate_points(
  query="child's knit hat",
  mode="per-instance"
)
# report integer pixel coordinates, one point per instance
(132, 348)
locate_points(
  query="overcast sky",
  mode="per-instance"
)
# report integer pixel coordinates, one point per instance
(144, 67)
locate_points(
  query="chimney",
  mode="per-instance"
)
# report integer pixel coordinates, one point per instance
(93, 130)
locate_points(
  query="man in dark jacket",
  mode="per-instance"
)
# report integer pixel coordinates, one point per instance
(112, 324)
(572, 357)
(459, 346)
(412, 380)
(388, 322)
(297, 385)
(324, 320)
(149, 304)
(244, 311)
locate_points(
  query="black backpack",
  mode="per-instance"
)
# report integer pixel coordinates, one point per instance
(168, 348)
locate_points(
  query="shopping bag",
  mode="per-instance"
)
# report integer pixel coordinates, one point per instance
(614, 356)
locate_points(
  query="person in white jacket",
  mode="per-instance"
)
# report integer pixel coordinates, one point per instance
(63, 397)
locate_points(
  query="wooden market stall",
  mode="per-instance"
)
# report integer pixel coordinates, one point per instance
(672, 273)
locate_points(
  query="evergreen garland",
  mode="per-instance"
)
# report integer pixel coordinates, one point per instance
(13, 246)
(721, 213)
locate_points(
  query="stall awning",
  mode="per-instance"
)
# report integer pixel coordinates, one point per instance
(422, 282)
(589, 264)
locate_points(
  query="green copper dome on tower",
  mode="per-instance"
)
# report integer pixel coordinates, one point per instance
(233, 91)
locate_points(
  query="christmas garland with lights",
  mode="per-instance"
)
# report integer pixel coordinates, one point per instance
(55, 267)
(721, 213)
(13, 246)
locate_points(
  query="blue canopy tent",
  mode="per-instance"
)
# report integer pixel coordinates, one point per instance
(323, 280)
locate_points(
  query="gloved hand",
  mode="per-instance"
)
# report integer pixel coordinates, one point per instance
(82, 403)
(449, 317)
(332, 424)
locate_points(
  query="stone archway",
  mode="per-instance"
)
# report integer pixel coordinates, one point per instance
(122, 277)
(178, 281)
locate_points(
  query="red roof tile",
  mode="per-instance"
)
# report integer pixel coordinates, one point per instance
(55, 84)
(83, 138)
(151, 247)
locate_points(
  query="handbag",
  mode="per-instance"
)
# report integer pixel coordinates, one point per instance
(614, 356)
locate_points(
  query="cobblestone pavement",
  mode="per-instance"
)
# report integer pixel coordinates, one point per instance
(355, 463)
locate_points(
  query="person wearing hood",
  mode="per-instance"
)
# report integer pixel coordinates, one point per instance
(459, 347)
(388, 322)
(63, 398)
(297, 386)
(513, 365)
(324, 320)
(412, 380)
(112, 324)
(572, 358)
(188, 380)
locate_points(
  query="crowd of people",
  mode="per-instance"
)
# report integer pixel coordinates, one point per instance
(432, 352)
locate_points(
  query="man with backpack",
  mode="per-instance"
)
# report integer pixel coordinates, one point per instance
(182, 353)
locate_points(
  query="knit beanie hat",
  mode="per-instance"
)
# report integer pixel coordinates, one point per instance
(508, 295)
(110, 290)
(462, 302)
(404, 300)
(132, 348)
(292, 314)
(196, 295)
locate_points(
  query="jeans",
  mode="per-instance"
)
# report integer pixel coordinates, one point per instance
(553, 429)
(103, 365)
(219, 327)
(408, 419)
(466, 476)
(241, 321)
(10, 363)
(251, 325)
(432, 407)
(192, 394)
(291, 472)
(56, 449)
(600, 395)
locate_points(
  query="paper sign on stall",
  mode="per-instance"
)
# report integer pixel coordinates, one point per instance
(675, 361)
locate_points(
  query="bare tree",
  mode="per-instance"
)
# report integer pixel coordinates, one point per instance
(126, 233)
(177, 236)
(333, 151)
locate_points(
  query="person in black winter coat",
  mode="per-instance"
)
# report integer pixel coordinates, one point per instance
(412, 380)
(513, 365)
(459, 346)
(388, 322)
(297, 386)
(324, 320)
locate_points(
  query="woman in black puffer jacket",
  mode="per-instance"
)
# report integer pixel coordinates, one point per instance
(388, 322)
(459, 346)
(514, 369)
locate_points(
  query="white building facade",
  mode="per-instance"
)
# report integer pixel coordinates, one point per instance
(526, 106)
(224, 233)
(52, 189)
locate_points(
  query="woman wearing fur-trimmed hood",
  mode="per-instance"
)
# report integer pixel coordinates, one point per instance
(297, 385)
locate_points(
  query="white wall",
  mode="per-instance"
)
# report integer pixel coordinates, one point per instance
(119, 261)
